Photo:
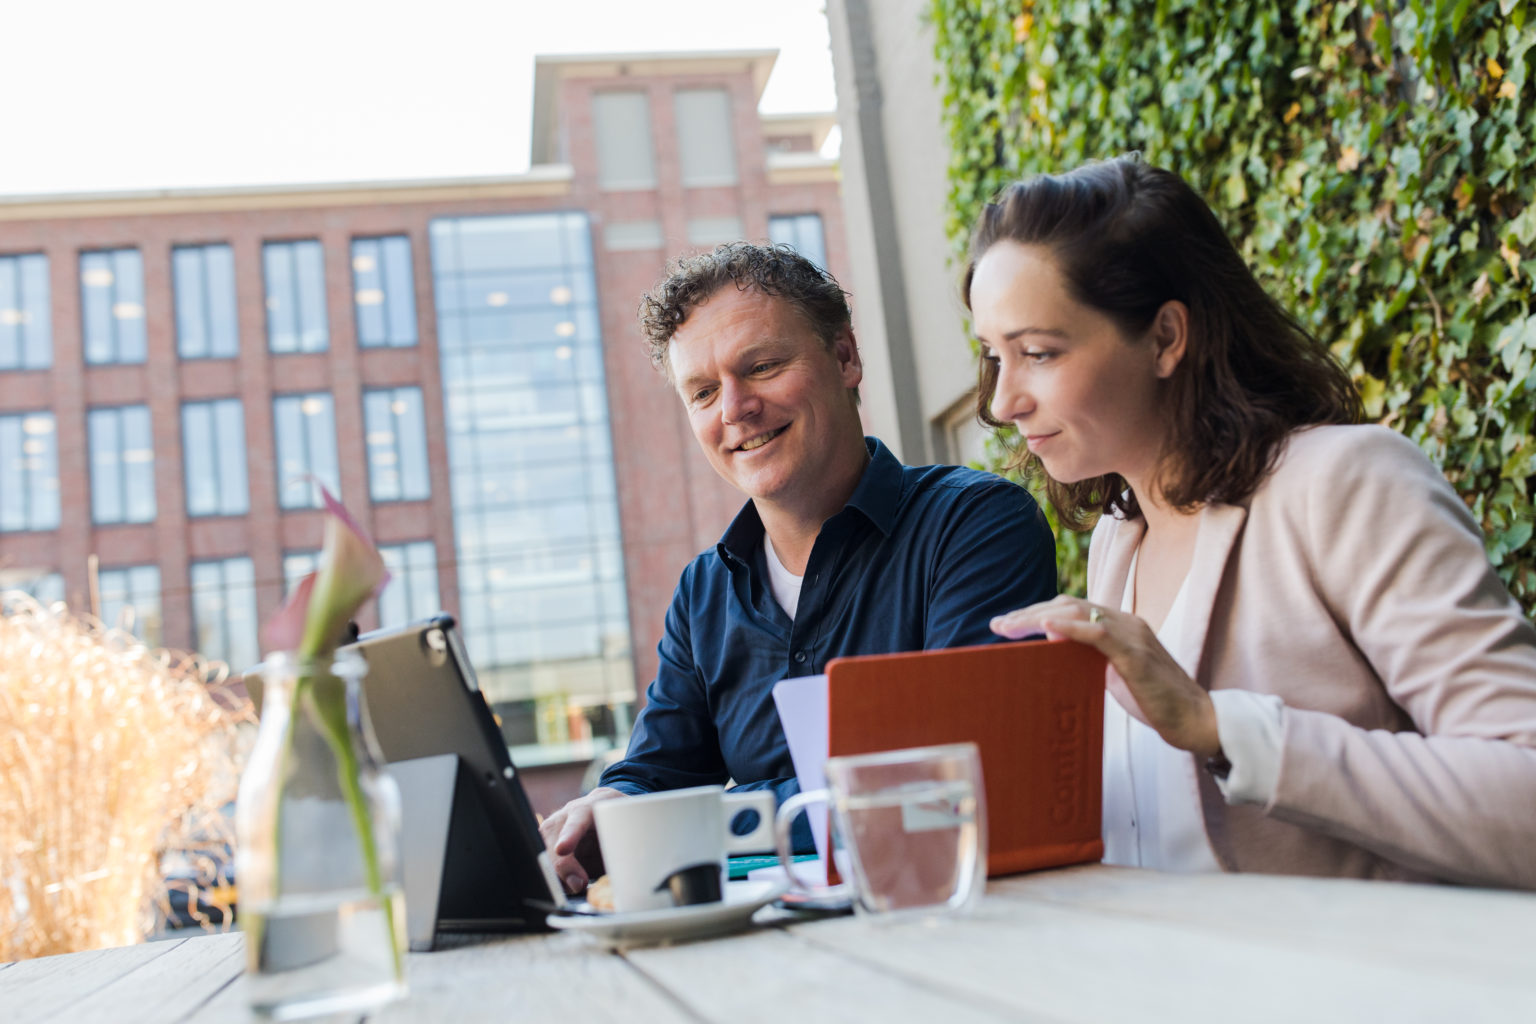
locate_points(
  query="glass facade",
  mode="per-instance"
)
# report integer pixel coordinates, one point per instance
(213, 453)
(130, 600)
(26, 317)
(206, 324)
(536, 517)
(29, 472)
(294, 277)
(224, 612)
(411, 593)
(122, 465)
(384, 292)
(802, 232)
(112, 306)
(397, 445)
(306, 447)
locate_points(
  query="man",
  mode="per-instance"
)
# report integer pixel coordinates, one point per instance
(841, 550)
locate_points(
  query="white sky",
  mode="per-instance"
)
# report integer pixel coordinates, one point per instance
(104, 95)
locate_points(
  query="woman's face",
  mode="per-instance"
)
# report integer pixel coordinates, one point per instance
(1083, 394)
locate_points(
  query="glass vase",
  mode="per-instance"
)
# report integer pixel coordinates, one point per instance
(318, 866)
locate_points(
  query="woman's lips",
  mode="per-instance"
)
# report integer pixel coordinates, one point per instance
(1036, 440)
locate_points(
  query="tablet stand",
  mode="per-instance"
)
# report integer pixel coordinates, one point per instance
(456, 873)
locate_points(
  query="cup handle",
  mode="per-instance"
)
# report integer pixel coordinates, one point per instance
(782, 825)
(760, 838)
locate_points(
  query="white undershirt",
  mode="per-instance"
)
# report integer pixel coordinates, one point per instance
(784, 584)
(1152, 812)
(1152, 816)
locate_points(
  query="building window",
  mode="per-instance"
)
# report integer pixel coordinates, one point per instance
(705, 143)
(384, 292)
(297, 565)
(622, 124)
(122, 465)
(130, 600)
(206, 325)
(214, 452)
(29, 473)
(411, 593)
(397, 445)
(711, 231)
(536, 518)
(306, 447)
(46, 588)
(295, 280)
(224, 611)
(26, 319)
(112, 306)
(802, 232)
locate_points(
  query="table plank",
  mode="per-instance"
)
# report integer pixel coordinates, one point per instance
(770, 975)
(30, 989)
(182, 980)
(554, 977)
(1477, 933)
(1086, 964)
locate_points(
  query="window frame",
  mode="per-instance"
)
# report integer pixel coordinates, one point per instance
(221, 484)
(399, 448)
(124, 485)
(28, 311)
(385, 268)
(291, 248)
(286, 484)
(217, 342)
(116, 299)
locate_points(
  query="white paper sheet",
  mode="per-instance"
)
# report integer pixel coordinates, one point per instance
(802, 706)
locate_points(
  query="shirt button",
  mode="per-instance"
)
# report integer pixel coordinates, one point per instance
(799, 657)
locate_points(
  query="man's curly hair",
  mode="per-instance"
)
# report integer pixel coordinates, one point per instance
(776, 270)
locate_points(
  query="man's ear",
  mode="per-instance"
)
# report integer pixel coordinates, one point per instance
(1170, 337)
(845, 348)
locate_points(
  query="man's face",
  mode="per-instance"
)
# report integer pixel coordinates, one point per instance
(767, 399)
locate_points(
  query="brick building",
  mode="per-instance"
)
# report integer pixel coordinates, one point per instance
(457, 359)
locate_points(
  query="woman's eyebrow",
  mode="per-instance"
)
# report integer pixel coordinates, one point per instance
(1020, 332)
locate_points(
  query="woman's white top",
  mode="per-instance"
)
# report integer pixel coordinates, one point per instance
(1152, 816)
(1152, 813)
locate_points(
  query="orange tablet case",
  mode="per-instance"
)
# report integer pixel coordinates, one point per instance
(1036, 711)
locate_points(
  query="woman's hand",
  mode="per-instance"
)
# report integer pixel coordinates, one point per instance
(1142, 675)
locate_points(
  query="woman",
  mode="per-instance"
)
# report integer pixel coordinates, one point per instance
(1302, 604)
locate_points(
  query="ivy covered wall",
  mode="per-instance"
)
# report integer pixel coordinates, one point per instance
(1375, 161)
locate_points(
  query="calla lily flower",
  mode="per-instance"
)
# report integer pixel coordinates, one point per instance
(314, 619)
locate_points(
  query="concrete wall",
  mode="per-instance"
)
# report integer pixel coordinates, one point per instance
(906, 298)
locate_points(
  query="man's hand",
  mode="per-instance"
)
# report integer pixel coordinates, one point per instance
(571, 839)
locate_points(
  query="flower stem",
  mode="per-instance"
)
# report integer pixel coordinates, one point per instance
(327, 699)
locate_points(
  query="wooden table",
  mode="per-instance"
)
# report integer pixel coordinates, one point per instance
(1084, 944)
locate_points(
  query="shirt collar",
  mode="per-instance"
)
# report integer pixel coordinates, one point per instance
(875, 498)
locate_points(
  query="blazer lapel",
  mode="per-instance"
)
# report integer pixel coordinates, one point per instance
(1107, 582)
(1220, 526)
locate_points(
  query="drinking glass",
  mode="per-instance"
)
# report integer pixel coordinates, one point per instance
(912, 824)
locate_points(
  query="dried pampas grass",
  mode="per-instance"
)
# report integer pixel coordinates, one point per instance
(111, 754)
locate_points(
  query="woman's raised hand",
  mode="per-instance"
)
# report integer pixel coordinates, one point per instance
(1142, 675)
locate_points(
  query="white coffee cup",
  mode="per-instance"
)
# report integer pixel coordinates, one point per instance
(648, 840)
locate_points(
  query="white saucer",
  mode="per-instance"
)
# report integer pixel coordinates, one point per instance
(676, 924)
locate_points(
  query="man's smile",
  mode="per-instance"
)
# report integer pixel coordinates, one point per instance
(760, 440)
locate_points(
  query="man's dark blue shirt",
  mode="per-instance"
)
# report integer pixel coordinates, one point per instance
(921, 557)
